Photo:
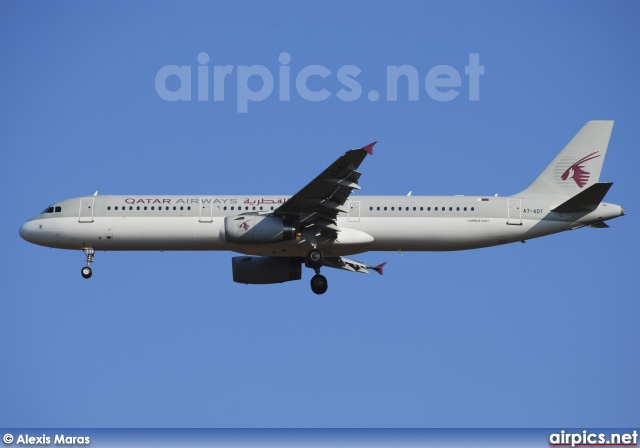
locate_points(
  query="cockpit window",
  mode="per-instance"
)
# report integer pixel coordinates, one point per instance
(52, 209)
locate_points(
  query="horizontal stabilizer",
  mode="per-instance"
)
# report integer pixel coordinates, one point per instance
(585, 201)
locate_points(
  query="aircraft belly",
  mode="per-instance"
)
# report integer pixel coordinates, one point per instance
(166, 233)
(369, 234)
(545, 227)
(206, 235)
(439, 234)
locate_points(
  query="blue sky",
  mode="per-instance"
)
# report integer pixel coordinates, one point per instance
(536, 335)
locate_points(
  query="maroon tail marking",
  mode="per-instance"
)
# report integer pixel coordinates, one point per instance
(577, 172)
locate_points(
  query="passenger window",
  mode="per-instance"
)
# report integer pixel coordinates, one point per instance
(436, 209)
(109, 208)
(138, 207)
(472, 208)
(145, 207)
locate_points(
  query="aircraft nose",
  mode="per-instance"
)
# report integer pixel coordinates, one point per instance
(26, 231)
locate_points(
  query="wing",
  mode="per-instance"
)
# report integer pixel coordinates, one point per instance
(319, 203)
(351, 265)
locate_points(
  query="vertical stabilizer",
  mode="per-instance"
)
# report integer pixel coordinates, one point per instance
(578, 165)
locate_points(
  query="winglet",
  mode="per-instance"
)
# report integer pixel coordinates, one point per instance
(378, 268)
(369, 148)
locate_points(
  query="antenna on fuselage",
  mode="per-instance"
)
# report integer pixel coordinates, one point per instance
(96, 193)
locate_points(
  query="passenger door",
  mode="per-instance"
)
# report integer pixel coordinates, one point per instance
(86, 210)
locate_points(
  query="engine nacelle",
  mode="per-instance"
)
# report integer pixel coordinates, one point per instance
(255, 229)
(264, 270)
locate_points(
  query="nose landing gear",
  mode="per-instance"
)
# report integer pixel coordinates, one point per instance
(86, 271)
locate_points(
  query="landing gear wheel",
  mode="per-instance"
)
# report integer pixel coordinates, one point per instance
(86, 272)
(319, 284)
(314, 259)
(89, 255)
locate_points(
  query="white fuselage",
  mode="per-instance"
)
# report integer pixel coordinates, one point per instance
(371, 223)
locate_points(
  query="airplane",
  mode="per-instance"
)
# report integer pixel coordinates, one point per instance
(323, 223)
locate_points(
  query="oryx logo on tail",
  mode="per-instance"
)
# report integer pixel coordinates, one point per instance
(577, 172)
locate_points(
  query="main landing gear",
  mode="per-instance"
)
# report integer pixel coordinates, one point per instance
(315, 260)
(319, 284)
(86, 271)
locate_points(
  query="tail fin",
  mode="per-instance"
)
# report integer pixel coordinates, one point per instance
(578, 165)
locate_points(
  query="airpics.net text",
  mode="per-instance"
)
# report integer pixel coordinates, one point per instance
(256, 83)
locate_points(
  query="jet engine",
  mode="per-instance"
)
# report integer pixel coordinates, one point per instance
(265, 270)
(255, 229)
